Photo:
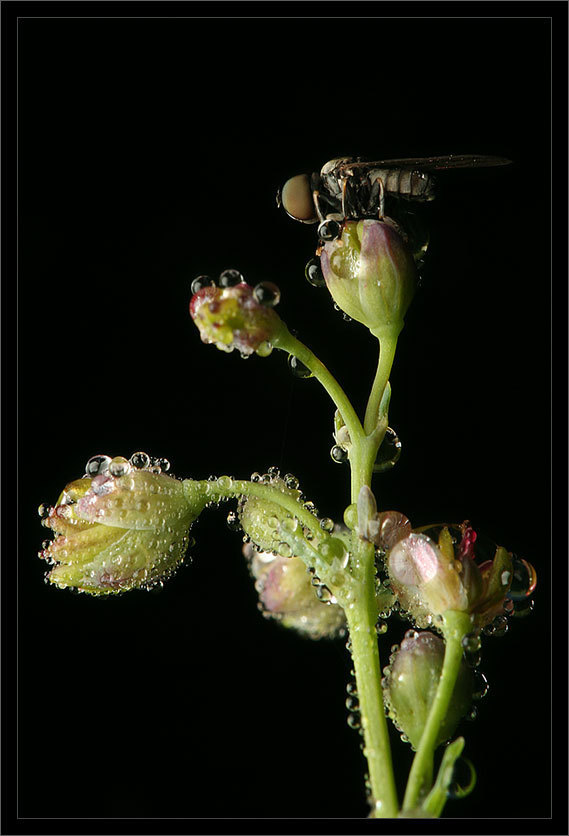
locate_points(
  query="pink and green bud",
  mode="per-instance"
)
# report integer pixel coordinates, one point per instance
(371, 274)
(434, 570)
(233, 318)
(410, 684)
(287, 594)
(115, 533)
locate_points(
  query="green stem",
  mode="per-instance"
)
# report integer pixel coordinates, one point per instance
(455, 626)
(387, 345)
(361, 614)
(286, 342)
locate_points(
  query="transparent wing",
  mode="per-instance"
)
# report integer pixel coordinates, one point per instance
(433, 163)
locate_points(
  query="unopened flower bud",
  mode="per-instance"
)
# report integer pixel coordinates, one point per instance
(115, 533)
(371, 274)
(269, 526)
(287, 594)
(433, 570)
(232, 317)
(411, 683)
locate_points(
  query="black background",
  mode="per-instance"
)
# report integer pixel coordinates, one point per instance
(150, 151)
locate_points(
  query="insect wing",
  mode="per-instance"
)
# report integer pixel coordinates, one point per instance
(443, 163)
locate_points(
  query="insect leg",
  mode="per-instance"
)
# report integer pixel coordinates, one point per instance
(316, 199)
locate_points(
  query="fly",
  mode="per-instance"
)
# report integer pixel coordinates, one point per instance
(348, 188)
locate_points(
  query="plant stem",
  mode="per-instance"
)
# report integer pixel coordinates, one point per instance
(361, 614)
(455, 626)
(286, 342)
(387, 345)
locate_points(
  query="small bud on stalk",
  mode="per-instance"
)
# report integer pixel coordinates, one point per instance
(371, 274)
(431, 576)
(115, 533)
(411, 682)
(287, 594)
(232, 317)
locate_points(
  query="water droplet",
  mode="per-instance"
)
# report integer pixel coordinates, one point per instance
(285, 550)
(164, 465)
(97, 465)
(314, 274)
(346, 318)
(523, 608)
(273, 472)
(265, 348)
(255, 477)
(339, 454)
(472, 649)
(480, 686)
(327, 524)
(524, 579)
(389, 452)
(44, 510)
(351, 516)
(463, 779)
(224, 483)
(352, 689)
(329, 230)
(354, 721)
(352, 703)
(298, 369)
(267, 293)
(119, 466)
(233, 521)
(200, 282)
(381, 628)
(311, 508)
(291, 481)
(139, 460)
(229, 278)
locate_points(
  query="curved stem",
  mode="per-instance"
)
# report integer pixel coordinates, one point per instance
(387, 345)
(361, 614)
(455, 626)
(286, 342)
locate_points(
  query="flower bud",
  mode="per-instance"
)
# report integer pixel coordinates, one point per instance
(287, 594)
(433, 570)
(115, 533)
(231, 317)
(371, 274)
(269, 526)
(410, 685)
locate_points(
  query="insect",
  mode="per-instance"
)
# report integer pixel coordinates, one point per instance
(351, 188)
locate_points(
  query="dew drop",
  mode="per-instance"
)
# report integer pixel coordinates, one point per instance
(523, 608)
(255, 477)
(339, 454)
(233, 521)
(200, 282)
(329, 230)
(224, 483)
(285, 550)
(119, 466)
(140, 460)
(164, 465)
(97, 465)
(298, 369)
(267, 294)
(229, 278)
(44, 510)
(327, 524)
(354, 721)
(265, 348)
(291, 481)
(313, 273)
(524, 579)
(389, 452)
(480, 686)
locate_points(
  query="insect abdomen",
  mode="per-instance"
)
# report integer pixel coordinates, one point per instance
(406, 182)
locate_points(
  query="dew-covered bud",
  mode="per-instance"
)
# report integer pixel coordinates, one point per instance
(269, 526)
(410, 685)
(233, 317)
(287, 593)
(371, 274)
(434, 569)
(115, 533)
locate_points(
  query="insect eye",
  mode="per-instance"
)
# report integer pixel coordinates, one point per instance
(296, 199)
